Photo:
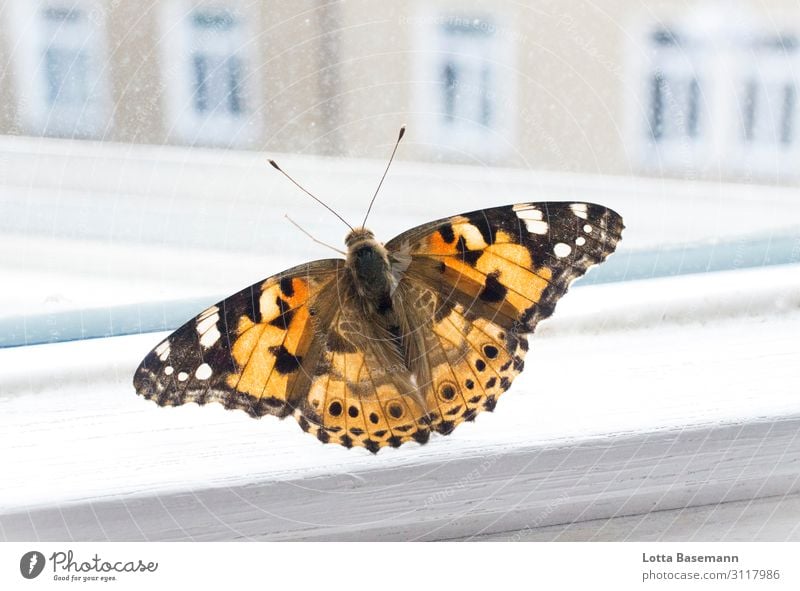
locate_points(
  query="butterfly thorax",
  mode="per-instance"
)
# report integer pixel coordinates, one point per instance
(368, 262)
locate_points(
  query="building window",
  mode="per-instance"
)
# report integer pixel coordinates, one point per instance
(217, 67)
(718, 98)
(762, 138)
(674, 107)
(768, 112)
(61, 80)
(675, 122)
(211, 100)
(465, 85)
(768, 101)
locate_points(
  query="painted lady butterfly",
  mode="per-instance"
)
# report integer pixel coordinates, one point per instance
(395, 341)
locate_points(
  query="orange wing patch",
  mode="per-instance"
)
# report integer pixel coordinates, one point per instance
(270, 353)
(504, 268)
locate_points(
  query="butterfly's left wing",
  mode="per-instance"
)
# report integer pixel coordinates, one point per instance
(248, 350)
(297, 344)
(474, 285)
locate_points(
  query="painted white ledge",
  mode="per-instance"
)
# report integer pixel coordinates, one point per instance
(635, 399)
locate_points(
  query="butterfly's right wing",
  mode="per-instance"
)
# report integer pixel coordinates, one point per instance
(475, 285)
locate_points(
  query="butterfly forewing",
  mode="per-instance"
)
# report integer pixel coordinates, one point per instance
(521, 258)
(245, 352)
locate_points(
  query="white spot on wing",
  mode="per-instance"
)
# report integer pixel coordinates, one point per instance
(206, 323)
(169, 370)
(163, 351)
(537, 227)
(183, 376)
(203, 372)
(580, 210)
(562, 250)
(580, 241)
(533, 218)
(209, 338)
(207, 312)
(207, 327)
(587, 228)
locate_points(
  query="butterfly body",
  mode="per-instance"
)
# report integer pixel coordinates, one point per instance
(368, 263)
(396, 341)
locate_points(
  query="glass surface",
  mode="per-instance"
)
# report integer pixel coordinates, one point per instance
(681, 117)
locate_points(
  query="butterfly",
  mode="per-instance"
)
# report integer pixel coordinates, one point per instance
(396, 341)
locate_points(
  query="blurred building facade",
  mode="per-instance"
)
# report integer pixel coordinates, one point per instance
(679, 88)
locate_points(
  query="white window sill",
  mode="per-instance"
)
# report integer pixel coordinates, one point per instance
(637, 397)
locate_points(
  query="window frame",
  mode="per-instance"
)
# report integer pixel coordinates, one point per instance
(77, 398)
(645, 453)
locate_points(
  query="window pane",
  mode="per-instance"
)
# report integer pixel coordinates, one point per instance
(67, 79)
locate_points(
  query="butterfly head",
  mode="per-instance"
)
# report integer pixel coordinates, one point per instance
(358, 236)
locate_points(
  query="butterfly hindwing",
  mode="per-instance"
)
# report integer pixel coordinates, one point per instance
(362, 392)
(468, 355)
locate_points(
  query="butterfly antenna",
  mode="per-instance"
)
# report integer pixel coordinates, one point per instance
(299, 227)
(397, 143)
(314, 197)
